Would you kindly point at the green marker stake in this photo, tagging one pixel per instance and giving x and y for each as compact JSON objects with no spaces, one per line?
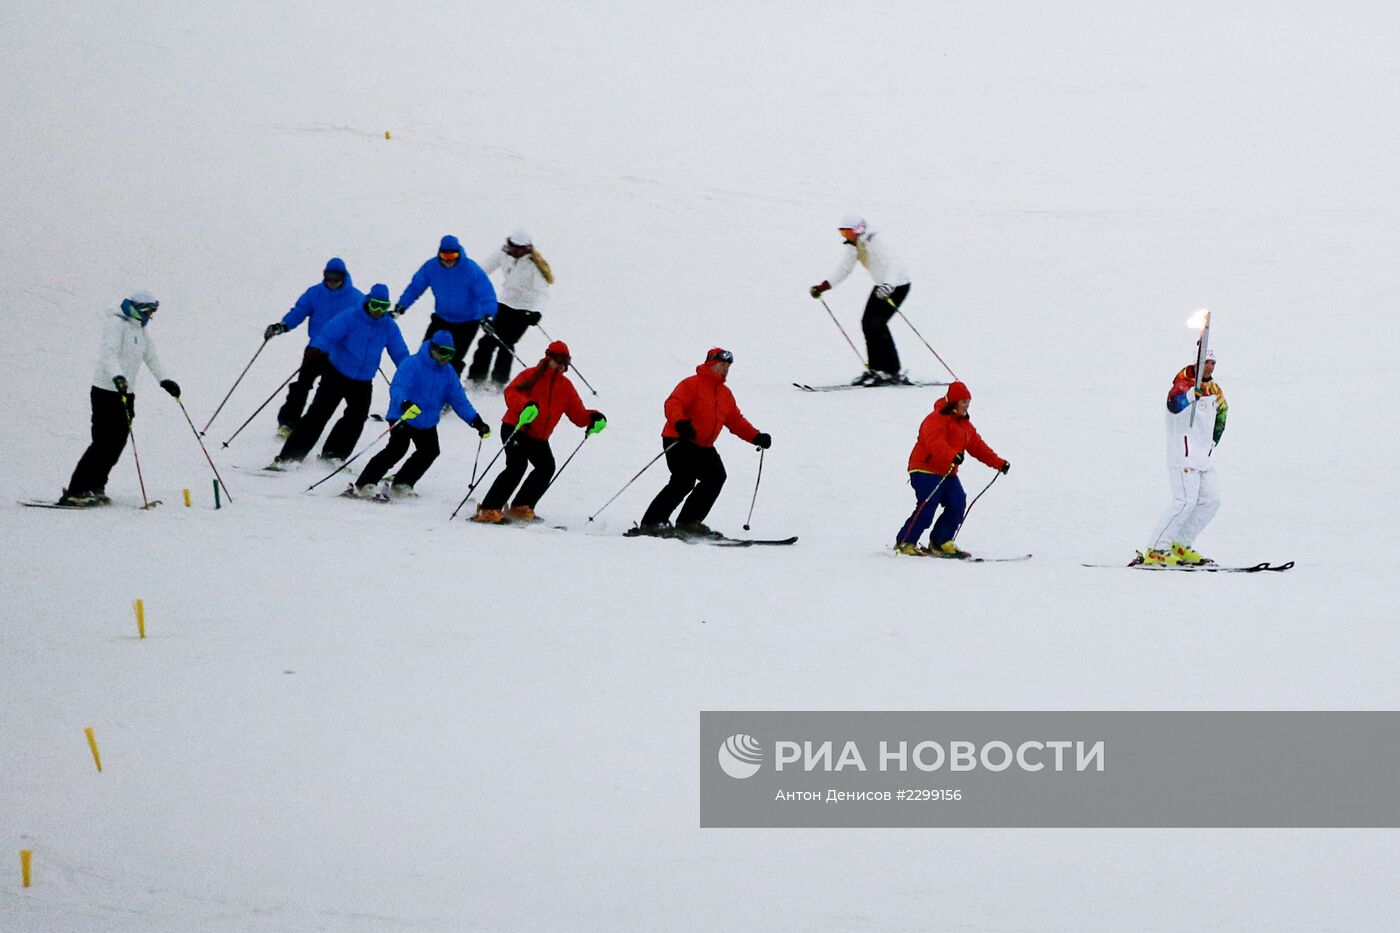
{"x":217,"y":504}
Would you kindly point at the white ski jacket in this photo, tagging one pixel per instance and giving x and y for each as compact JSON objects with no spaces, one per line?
{"x":125,"y":345}
{"x":1190,"y":444}
{"x":873,"y":252}
{"x":523,"y":286}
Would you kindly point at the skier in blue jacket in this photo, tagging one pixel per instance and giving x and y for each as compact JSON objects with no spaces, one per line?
{"x":336,"y":292}
{"x":353,"y":344}
{"x":462,"y":293}
{"x":423,"y":384}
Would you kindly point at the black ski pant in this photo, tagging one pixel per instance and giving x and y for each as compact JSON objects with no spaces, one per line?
{"x":522,"y":451}
{"x":875,"y":324}
{"x":109,"y":432}
{"x":509,"y":325}
{"x":313,"y":367}
{"x":463,"y":333}
{"x":696,"y":472}
{"x":425,"y":450}
{"x":335,"y":388}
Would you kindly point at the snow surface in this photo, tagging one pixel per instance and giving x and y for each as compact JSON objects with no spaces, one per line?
{"x":353,"y":718}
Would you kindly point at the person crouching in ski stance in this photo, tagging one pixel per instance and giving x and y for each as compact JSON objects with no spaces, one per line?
{"x":698,"y":407}
{"x":945,"y":435}
{"x":535,"y":401}
{"x":125,"y":345}
{"x":318,"y":306}
{"x":1195,"y":484}
{"x":891,"y":288}
{"x":423,"y":384}
{"x":354,"y":343}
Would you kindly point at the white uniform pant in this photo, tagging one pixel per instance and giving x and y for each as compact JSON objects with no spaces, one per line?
{"x":1195,"y":500}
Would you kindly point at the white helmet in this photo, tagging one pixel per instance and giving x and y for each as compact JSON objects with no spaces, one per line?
{"x":852,"y":222}
{"x":520,"y":237}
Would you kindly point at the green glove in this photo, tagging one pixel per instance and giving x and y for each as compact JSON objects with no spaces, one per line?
{"x":527,"y":414}
{"x":411,"y":412}
{"x":596,"y":422}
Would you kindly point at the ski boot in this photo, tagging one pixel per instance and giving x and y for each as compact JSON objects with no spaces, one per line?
{"x":696,"y":530}
{"x":948,"y":549}
{"x":521,"y":513}
{"x":402,"y":491}
{"x":911,"y":549}
{"x":488,"y":516}
{"x":79,"y":500}
{"x":284,"y":431}
{"x":1155,"y":558}
{"x":1189,"y":556}
{"x":901,"y":379}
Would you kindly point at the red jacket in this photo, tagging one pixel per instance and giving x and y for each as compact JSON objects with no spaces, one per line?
{"x":553,"y":393}
{"x":942,"y":437}
{"x":706,"y":402}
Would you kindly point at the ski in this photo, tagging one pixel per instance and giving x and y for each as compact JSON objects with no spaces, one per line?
{"x":1261,"y":567}
{"x":974,"y":560}
{"x":47,"y":504}
{"x":714,"y":538}
{"x":887,"y":385}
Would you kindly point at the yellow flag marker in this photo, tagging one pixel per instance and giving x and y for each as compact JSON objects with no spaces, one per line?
{"x":92,"y":744}
{"x":26,"y":856}
{"x":386,"y":134}
{"x":140,"y":609}
{"x":187,"y":498}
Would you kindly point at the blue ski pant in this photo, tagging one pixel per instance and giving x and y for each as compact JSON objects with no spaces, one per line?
{"x":930,"y":492}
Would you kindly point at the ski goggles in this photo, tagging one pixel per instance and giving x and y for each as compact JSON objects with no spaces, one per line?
{"x":443,"y":354}
{"x":333,"y":278}
{"x":146,"y":307}
{"x":377,"y":306}
{"x":448,"y":255}
{"x":720,"y":356}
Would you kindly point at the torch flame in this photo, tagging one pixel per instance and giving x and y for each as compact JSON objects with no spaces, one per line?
{"x":1197,"y":320}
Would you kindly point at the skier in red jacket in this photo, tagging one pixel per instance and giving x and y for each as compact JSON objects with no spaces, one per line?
{"x":944,"y":436}
{"x":697,"y":409}
{"x":535,"y":401}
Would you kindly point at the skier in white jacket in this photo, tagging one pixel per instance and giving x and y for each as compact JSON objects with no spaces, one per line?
{"x":873,"y":251}
{"x":525,"y":281}
{"x":1195,"y":484}
{"x":125,"y":346}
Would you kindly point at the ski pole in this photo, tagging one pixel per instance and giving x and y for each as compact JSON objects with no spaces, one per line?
{"x":913,"y":519}
{"x":477,"y":459}
{"x":571,"y":364}
{"x":843,"y":333}
{"x":274,"y":394}
{"x":635,"y":478}
{"x":353,"y":458}
{"x":200,"y":440}
{"x":561,"y":469}
{"x":755,"y":489}
{"x":491,"y":332}
{"x":921,"y":338}
{"x":520,"y":426}
{"x":141,"y":480}
{"x":234,"y":386}
{"x":385,"y":378}
{"x":972,"y":503}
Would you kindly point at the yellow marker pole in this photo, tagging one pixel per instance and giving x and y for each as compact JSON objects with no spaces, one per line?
{"x":26,"y":856}
{"x":187,"y":498}
{"x":140,"y":609}
{"x":386,"y":134}
{"x":92,"y":744}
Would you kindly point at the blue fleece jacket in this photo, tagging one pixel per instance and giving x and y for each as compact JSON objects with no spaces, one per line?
{"x":322,"y":304}
{"x":462,"y":293}
{"x":355,"y":342}
{"x":428,"y":384}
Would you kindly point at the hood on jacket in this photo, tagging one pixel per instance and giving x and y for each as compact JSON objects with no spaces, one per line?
{"x":440,"y":338}
{"x":380,"y":291}
{"x":449,"y":243}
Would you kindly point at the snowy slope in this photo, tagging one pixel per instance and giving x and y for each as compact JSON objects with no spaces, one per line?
{"x":360,"y":718}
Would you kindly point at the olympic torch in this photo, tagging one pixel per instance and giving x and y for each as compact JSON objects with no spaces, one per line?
{"x":1199,"y":321}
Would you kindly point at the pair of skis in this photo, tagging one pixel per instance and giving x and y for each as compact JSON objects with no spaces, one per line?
{"x":841,"y":387}
{"x":713,"y":538}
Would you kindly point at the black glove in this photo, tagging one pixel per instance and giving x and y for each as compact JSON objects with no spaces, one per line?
{"x":407,"y":404}
{"x":883,"y":292}
{"x":762,"y":441}
{"x":959,"y":458}
{"x":481,"y":427}
{"x":171,"y":386}
{"x":398,"y":311}
{"x":1005,"y":466}
{"x":684,"y":430}
{"x":120,"y":383}
{"x":274,"y":329}
{"x":532,"y":318}
{"x":816,"y":290}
